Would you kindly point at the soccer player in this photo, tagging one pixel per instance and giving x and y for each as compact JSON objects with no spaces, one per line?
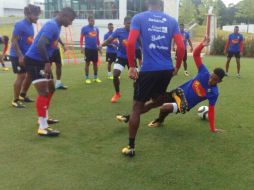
{"x":186,"y":38}
{"x":90,"y":35}
{"x":234,"y":47}
{"x":37,"y":63}
{"x":156,"y":31}
{"x":22,"y":38}
{"x":122,"y":35}
{"x":111,"y":51}
{"x":4,"y":40}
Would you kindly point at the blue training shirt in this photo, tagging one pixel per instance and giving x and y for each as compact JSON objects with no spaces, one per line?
{"x":234,"y":42}
{"x":156,"y":32}
{"x":197,"y":89}
{"x":51,"y":30}
{"x":122,"y":35}
{"x":91,"y":34}
{"x":114,"y":42}
{"x":186,"y":37}
{"x":25,"y":31}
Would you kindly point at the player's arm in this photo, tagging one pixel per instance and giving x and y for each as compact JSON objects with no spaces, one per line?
{"x":62,"y":44}
{"x":131,"y":47}
{"x":15,"y":45}
{"x":241,"y":46}
{"x":226,"y":46}
{"x":180,"y":51}
{"x":198,"y":50}
{"x":107,"y":41}
{"x":42,"y":43}
{"x":190,"y":44}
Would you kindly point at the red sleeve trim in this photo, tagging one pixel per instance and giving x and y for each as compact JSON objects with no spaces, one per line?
{"x":196,"y":55}
{"x":81,"y":40}
{"x":180,"y":49}
{"x":211,"y":117}
{"x":241,"y":46}
{"x":133,"y":36}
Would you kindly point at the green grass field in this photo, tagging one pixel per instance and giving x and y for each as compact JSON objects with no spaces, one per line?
{"x":182,"y":154}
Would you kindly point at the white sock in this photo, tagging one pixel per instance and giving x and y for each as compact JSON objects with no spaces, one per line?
{"x":47,"y":114}
{"x":58,"y":82}
{"x":43,"y":124}
{"x":109,"y":74}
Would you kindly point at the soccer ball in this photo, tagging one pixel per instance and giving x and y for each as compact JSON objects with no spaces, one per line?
{"x":203,"y":112}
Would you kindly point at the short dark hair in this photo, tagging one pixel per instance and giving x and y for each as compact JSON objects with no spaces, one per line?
{"x":32,"y":10}
{"x":110,"y":24}
{"x":219,"y":72}
{"x":67,"y":11}
{"x":127,"y":19}
{"x":90,"y":17}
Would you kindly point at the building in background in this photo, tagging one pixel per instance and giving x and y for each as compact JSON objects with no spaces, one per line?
{"x":15,"y":8}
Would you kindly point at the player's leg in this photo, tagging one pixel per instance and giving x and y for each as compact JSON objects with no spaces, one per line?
{"x":87,"y":64}
{"x":58,"y":62}
{"x":94,"y":58}
{"x":25,"y":87}
{"x":186,"y":73}
{"x":238,"y":64}
{"x":229,"y":56}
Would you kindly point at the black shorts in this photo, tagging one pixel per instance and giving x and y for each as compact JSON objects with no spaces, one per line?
{"x":36,"y":69}
{"x":56,"y":57}
{"x":16,"y":67}
{"x":111,"y":57}
{"x":236,"y":54}
{"x":151,"y":84}
{"x":138,"y":54}
{"x":91,"y":55}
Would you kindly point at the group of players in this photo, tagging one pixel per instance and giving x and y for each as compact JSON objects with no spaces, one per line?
{"x":152,"y":31}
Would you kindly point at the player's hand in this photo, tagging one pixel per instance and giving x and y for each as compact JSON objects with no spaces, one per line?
{"x":218,"y":131}
{"x":175,"y":71}
{"x":133,"y":73}
{"x":21,"y":60}
{"x":47,"y":70}
{"x":206,"y":41}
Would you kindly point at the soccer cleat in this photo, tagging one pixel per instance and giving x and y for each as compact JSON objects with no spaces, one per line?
{"x":18,"y":104}
{"x":25,"y":99}
{"x":180,"y":99}
{"x":123,"y":118}
{"x":110,"y":77}
{"x":115,"y":97}
{"x":48,"y":132}
{"x":52,"y":121}
{"x":155,"y":123}
{"x":97,"y":80}
{"x":238,"y":75}
{"x":226,"y":74}
{"x":186,"y":73}
{"x":128,"y":151}
{"x":61,"y":87}
{"x":5,"y":69}
{"x":88,"y":81}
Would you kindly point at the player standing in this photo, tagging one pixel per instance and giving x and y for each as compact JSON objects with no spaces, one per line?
{"x":4,"y":40}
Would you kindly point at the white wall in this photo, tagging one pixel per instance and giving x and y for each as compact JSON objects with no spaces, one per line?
{"x":242,"y":28}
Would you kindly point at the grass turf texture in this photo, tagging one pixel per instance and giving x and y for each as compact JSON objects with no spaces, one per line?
{"x":181,"y":155}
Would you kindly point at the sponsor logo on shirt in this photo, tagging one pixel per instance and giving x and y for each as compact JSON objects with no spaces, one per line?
{"x":125,"y":42}
{"x":29,"y":40}
{"x":235,"y":41}
{"x":157,"y":20}
{"x":154,"y":46}
{"x":156,"y":38}
{"x":92,"y":34}
{"x":159,"y":29}
{"x":198,"y":89}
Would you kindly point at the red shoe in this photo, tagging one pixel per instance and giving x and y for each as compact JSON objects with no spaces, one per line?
{"x":115,"y":97}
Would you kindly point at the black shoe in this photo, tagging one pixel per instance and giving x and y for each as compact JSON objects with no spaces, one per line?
{"x":52,"y":121}
{"x":181,"y":101}
{"x":62,"y":88}
{"x":48,"y":132}
{"x":18,"y":104}
{"x":123,"y":118}
{"x":25,"y":99}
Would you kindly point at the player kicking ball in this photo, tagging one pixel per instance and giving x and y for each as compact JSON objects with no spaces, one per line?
{"x":202,"y":87}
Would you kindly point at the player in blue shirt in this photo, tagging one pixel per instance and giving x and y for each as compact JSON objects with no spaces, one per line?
{"x":5,"y":41}
{"x":155,"y":31}
{"x":122,"y":35}
{"x":111,"y":51}
{"x":37,"y":64}
{"x":234,"y":47}
{"x":202,"y":87}
{"x":22,"y":38}
{"x":90,"y":35}
{"x":186,"y":38}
